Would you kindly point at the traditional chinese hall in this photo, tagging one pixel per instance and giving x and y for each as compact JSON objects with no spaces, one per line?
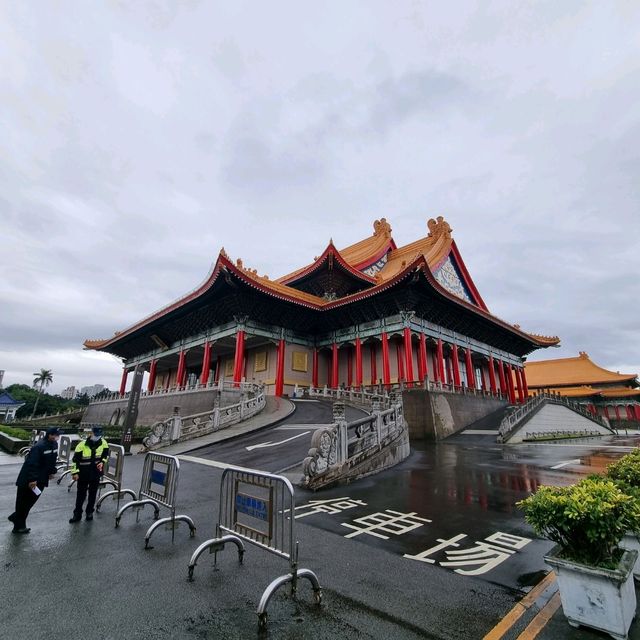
{"x":370,"y":313}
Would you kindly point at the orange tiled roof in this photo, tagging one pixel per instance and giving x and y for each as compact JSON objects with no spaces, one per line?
{"x":432,"y":249}
{"x":620,"y":392}
{"x":571,"y":372}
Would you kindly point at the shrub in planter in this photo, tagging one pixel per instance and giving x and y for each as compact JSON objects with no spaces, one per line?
{"x":626,"y":471}
{"x":587,"y":520}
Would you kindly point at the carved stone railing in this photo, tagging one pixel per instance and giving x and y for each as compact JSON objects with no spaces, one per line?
{"x":515,"y":417}
{"x":221,"y":385}
{"x":178,"y":428}
{"x":336,"y":448}
{"x":353,"y":393}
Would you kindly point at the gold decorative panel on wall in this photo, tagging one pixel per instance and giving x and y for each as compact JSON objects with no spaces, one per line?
{"x":299,"y":361}
{"x":228,"y":368}
{"x":261,"y":361}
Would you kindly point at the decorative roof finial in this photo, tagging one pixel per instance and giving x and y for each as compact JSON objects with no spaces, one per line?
{"x":583,"y":354}
{"x":223,"y":253}
{"x":239,"y":263}
{"x":439,"y":228}
{"x":382,"y":228}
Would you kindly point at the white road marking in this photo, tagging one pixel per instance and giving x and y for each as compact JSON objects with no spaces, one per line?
{"x":218,"y":465}
{"x":295,"y":427}
{"x":300,"y":400}
{"x":264,"y":445}
{"x":566,"y":463}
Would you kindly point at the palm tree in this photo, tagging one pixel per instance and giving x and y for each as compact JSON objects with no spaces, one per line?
{"x":40,"y":381}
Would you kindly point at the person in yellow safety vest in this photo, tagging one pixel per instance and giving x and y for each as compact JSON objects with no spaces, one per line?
{"x":87,"y":468}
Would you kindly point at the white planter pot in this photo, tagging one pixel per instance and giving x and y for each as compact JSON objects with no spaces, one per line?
{"x":631,"y":541}
{"x":603,"y":599}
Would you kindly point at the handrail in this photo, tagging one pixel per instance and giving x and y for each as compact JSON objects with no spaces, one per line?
{"x":175,"y":428}
{"x":342,"y":443}
{"x":222,"y":385}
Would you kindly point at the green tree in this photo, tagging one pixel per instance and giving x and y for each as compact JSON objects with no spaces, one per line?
{"x":41,"y":380}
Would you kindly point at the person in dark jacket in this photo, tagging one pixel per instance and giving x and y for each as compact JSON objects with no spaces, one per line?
{"x":38,"y":468}
{"x":87,"y":468}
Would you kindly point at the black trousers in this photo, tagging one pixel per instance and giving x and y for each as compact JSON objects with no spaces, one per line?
{"x":84,"y":487}
{"x":25,"y":499}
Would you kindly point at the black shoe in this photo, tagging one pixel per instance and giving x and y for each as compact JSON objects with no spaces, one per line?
{"x":75,"y":519}
{"x":89,"y":517}
{"x":23,"y":530}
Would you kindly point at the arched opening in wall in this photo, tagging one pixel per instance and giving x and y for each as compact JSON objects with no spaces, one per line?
{"x":121,"y":418}
{"x":114,"y":417}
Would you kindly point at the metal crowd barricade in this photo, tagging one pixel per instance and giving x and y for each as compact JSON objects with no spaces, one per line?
{"x":35,"y":437}
{"x":112,"y":476}
{"x":66,"y":449}
{"x":158,"y":488}
{"x":258,"y":508}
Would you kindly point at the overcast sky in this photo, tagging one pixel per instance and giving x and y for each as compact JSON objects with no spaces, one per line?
{"x":138,"y":138}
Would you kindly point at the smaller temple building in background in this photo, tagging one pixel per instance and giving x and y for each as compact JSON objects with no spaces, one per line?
{"x":8,"y":407}
{"x":611,"y":394}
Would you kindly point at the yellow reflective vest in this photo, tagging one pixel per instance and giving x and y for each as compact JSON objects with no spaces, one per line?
{"x":87,"y":456}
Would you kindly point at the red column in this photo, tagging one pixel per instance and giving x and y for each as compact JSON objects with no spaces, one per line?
{"x":358,"y":363}
{"x":280,"y":369}
{"x":440,"y":361}
{"x":349,"y":366}
{"x":617,"y":410}
{"x":206,"y":363}
{"x":152,"y":376}
{"x":181,"y":370}
{"x":512,"y":393}
{"x":471,"y":378}
{"x":503,"y":382}
{"x":525,"y":387}
{"x":456,"y":365}
{"x":239,"y":357}
{"x":629,"y":412}
{"x":334,"y":366}
{"x":123,"y":381}
{"x":374,"y":364}
{"x":521,"y":397}
{"x":636,"y":408}
{"x":492,"y":376}
{"x":408,"y":354}
{"x":400,"y":361}
{"x":422,"y":358}
{"x":314,"y":371}
{"x":386,"y":373}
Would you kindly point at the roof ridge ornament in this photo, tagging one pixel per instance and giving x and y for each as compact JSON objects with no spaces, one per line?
{"x":583,"y":354}
{"x":382,"y":228}
{"x":439,"y":228}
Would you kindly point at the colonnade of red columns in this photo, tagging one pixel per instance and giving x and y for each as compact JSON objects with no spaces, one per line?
{"x":405,"y":367}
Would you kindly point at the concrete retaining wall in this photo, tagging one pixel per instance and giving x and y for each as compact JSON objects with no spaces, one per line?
{"x":157,"y":407}
{"x":10,"y":444}
{"x":435,"y":415}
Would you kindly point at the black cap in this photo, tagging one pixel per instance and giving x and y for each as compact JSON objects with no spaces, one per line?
{"x":53,"y":431}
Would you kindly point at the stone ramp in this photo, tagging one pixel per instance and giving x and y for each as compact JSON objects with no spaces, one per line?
{"x":275,"y":410}
{"x":556,"y":421}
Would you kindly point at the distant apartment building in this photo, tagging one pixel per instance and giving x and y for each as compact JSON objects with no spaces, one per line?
{"x":69,"y":393}
{"x":92,"y":391}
